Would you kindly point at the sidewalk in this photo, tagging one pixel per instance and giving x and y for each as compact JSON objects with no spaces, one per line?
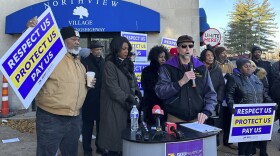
{"x":27,"y":144}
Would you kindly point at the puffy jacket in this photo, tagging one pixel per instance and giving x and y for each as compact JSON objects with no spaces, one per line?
{"x":185,"y":102}
{"x":65,"y":90}
{"x":241,"y":89}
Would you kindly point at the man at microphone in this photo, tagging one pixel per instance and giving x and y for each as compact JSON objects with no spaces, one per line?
{"x":185,"y":86}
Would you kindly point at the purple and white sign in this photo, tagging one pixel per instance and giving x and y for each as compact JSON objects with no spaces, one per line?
{"x":139,"y":45}
{"x":190,"y":148}
{"x":32,"y":58}
{"x":169,"y":42}
{"x":138,"y":67}
{"x":252,"y":122}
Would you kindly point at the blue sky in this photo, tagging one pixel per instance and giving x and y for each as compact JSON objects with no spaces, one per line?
{"x":218,"y":11}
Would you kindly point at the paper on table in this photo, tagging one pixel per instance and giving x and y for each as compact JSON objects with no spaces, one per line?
{"x":10,"y":140}
{"x":201,"y":127}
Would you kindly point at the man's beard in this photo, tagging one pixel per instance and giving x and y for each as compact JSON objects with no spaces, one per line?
{"x":184,"y":56}
{"x":74,"y":51}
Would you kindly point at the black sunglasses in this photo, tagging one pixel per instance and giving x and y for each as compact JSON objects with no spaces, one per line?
{"x":185,"y":46}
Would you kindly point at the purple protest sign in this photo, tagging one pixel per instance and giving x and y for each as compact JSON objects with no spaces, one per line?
{"x":252,"y":122}
{"x":191,"y":148}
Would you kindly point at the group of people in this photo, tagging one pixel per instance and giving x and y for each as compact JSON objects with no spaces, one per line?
{"x":219,"y":85}
{"x":188,"y":89}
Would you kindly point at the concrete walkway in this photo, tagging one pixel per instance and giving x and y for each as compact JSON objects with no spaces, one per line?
{"x":27,"y":144}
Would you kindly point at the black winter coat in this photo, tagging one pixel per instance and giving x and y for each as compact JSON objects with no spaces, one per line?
{"x":185,"y":102}
{"x":276,"y":82}
{"x":241,"y":89}
{"x":149,"y":78}
{"x":267,"y":66}
{"x":91,"y":107}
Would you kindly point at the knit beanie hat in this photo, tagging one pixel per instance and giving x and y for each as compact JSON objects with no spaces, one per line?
{"x":240,"y":62}
{"x":67,"y":32}
{"x":219,"y":50}
{"x":255,"y":48}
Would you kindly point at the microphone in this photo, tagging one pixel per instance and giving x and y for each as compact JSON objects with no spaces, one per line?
{"x":157,"y":112}
{"x":178,"y":135}
{"x":171,"y":129}
{"x":168,"y":126}
{"x":191,"y":69}
{"x":84,"y":52}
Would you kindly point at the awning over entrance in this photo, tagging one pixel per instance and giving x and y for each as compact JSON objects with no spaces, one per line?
{"x":203,"y":20}
{"x":90,"y":16}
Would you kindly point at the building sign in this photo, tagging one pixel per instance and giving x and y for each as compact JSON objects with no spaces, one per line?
{"x":90,"y":16}
{"x":169,"y":43}
{"x":252,"y":122}
{"x":138,"y":68}
{"x":211,"y":36}
{"x":32,"y":58}
{"x":139,"y":45}
{"x":193,"y":148}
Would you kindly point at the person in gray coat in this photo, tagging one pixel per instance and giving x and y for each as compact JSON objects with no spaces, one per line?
{"x":119,"y":92}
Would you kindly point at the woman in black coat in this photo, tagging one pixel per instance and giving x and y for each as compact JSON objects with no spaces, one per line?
{"x":158,"y":55}
{"x":243,"y":87}
{"x":119,"y":92}
{"x":208,"y":57}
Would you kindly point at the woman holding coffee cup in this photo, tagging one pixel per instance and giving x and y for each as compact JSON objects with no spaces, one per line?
{"x":119,"y":92}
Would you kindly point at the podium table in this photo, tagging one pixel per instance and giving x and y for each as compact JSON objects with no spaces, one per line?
{"x":193,"y":142}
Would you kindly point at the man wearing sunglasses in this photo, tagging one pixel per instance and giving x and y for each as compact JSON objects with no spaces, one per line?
{"x":185,"y":86}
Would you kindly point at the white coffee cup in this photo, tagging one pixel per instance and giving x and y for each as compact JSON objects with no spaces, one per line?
{"x":90,"y":77}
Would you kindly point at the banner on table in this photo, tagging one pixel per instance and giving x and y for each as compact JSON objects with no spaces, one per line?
{"x":252,"y":122}
{"x":139,"y":45}
{"x":32,"y":58}
{"x":169,"y":43}
{"x":194,"y":148}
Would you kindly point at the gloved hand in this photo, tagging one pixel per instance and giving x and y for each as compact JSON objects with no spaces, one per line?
{"x":129,"y":99}
{"x":133,"y":100}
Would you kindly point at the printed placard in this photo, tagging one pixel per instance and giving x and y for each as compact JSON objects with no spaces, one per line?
{"x":32,"y":58}
{"x":252,"y":122}
{"x":139,"y":45}
{"x":138,"y":68}
{"x":169,"y":43}
{"x":194,"y":147}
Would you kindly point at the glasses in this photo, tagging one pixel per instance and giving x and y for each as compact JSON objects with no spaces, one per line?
{"x":185,"y":46}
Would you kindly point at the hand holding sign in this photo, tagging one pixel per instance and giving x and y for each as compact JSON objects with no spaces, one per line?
{"x":32,"y":22}
{"x":32,"y":58}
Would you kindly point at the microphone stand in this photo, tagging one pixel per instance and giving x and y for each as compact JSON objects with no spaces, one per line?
{"x":159,"y":133}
